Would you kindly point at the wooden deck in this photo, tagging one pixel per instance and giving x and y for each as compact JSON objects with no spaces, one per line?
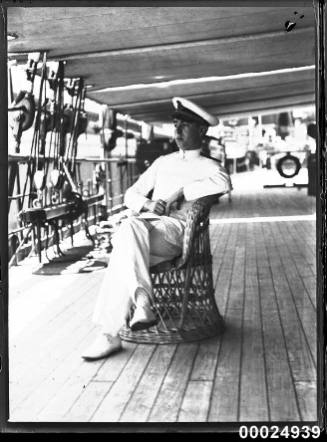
{"x":263,"y":368}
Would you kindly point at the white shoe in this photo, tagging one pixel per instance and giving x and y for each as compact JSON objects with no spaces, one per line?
{"x":103,"y":346}
{"x":143,"y":318}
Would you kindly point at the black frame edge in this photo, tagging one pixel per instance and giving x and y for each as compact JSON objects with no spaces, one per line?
{"x":5,"y":425}
{"x":320,"y":13}
{"x":4,"y":374}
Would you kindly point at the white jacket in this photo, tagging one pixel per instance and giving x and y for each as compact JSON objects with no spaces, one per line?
{"x":197,"y":175}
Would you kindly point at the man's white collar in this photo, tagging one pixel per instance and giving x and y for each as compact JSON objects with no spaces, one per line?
{"x":189,"y":154}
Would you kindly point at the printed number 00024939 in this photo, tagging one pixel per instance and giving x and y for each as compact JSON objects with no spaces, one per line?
{"x":275,"y":432}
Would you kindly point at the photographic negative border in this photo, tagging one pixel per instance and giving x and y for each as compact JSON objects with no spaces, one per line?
{"x":6,"y":426}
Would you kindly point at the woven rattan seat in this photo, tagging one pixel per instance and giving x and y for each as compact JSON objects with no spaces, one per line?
{"x":183,"y":293}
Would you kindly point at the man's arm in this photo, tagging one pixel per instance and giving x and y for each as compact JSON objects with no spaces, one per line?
{"x":158,"y":207}
{"x":136,"y":195}
{"x":176,"y":197}
{"x":216,"y":182}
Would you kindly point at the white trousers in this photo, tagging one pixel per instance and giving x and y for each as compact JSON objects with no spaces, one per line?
{"x":137,"y":245}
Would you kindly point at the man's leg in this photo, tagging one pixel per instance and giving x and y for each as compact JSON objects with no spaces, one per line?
{"x":166,"y":238}
{"x":127,"y":270}
{"x":127,"y":278}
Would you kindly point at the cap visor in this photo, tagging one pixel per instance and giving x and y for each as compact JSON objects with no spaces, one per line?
{"x":185,"y":116}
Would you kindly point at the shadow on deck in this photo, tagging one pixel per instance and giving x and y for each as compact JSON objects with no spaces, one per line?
{"x":263,"y":368}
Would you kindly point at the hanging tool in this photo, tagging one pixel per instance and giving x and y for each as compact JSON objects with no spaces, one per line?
{"x":48,"y":122}
{"x":80,"y":124}
{"x":23,"y":106}
{"x":56,"y":175}
{"x":109,"y":132}
{"x":39,"y":140}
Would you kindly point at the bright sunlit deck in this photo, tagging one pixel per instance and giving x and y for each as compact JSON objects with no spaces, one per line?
{"x":262,"y":368}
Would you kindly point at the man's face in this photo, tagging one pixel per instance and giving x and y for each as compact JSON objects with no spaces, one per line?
{"x":188,"y":135}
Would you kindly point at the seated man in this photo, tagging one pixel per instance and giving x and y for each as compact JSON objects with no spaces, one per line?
{"x":155,"y":233}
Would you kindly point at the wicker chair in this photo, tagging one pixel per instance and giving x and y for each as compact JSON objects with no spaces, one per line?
{"x":183,"y":292}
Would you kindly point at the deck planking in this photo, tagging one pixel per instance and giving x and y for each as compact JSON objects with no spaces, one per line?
{"x":225,"y":393}
{"x":58,"y":332}
{"x":281,"y":392}
{"x":113,"y":405}
{"x":196,"y":402}
{"x":70,"y":396}
{"x":263,"y":367}
{"x":141,"y":403}
{"x":253,"y":370}
{"x":295,"y":312}
{"x":302,"y":302}
{"x":171,"y":393}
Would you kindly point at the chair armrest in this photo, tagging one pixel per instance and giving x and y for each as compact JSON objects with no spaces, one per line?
{"x":196,"y":218}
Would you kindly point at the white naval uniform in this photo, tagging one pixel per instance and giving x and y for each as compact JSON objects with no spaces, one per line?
{"x":140,"y":243}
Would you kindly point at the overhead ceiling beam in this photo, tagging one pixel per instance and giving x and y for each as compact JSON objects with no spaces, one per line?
{"x":282,"y":101}
{"x":176,"y":46}
{"x":263,"y":108}
{"x":130,"y":105}
{"x":273,"y":109}
{"x":240,"y":107}
{"x":206,"y":80}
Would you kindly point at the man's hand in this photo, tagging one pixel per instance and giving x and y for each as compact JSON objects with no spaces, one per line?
{"x":158,"y":207}
{"x":176,"y":197}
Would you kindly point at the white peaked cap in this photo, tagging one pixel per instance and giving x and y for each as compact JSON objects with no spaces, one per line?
{"x":189,"y":111}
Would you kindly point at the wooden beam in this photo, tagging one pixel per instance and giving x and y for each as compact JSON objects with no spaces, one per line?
{"x":211,"y":94}
{"x":264,"y":106}
{"x":175,"y":46}
{"x":279,"y":100}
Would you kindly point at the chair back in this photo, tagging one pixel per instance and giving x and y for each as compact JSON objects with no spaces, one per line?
{"x":197,"y":223}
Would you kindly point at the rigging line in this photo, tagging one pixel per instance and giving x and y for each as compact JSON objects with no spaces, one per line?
{"x":44,"y":110}
{"x":39,"y":111}
{"x":53,"y":110}
{"x":57,"y":117}
{"x":75,"y":122}
{"x":71,"y":125}
{"x":61,"y":137}
{"x":30,"y":77}
{"x":30,"y":170}
{"x":50,"y":145}
{"x":49,"y":152}
{"x":56,"y":127}
{"x":47,"y":120}
{"x":76,"y":110}
{"x":70,"y":90}
{"x":81,"y":114}
{"x":33,"y":166}
{"x":36,"y":136}
{"x":76,"y":128}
